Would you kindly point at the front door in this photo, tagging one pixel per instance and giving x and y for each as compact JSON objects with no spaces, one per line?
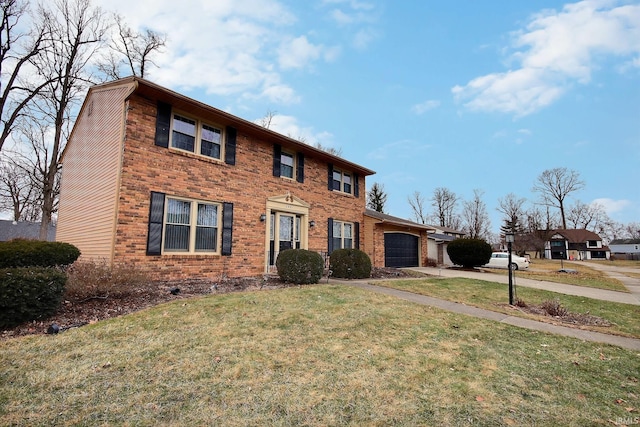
{"x":284,"y":233}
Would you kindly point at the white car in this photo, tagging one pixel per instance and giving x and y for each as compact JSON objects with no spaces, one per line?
{"x":501,"y":260}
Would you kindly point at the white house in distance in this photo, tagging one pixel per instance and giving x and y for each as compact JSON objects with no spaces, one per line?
{"x":625,"y":248}
{"x":575,"y":244}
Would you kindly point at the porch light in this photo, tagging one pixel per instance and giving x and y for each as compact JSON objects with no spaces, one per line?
{"x":312,"y":223}
{"x":263,"y":217}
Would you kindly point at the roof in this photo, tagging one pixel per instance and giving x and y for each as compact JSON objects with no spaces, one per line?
{"x":442,"y":229}
{"x":10,"y":230}
{"x":625,"y":242}
{"x":394,"y":220}
{"x":577,"y":235}
{"x":156,"y":92}
{"x":441,"y":237}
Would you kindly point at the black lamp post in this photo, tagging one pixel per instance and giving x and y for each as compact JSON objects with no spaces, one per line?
{"x":509,"y":238}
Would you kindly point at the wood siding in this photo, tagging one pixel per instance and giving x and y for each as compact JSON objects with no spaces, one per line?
{"x":90,"y":175}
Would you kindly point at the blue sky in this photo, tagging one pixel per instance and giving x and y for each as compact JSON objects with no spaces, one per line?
{"x":463,"y":95}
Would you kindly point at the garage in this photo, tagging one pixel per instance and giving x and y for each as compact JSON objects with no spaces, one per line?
{"x":401,"y":250}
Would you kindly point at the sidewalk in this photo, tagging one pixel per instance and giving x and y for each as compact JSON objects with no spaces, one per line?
{"x":628,"y":343}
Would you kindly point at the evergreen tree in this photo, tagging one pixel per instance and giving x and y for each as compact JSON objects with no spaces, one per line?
{"x":376,"y":198}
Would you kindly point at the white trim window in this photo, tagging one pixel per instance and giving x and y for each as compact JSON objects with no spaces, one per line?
{"x":342,"y":181}
{"x":194,"y":136}
{"x":342,"y":235}
{"x":191,"y":226}
{"x":287,"y":164}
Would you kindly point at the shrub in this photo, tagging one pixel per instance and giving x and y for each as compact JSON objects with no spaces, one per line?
{"x":36,"y":253}
{"x":29,"y":294}
{"x":350,"y":264}
{"x":554,"y":308}
{"x":98,"y":279}
{"x":300,"y":266}
{"x":469,"y":252}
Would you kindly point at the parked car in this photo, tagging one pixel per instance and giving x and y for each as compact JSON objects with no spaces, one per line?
{"x":501,"y":260}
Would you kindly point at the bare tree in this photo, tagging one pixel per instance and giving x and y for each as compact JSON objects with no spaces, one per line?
{"x":554,"y":185}
{"x":511,"y":208}
{"x":376,"y":197}
{"x":21,"y":83}
{"x":331,"y":150}
{"x":19,"y":194}
{"x":591,"y":217}
{"x":632,"y":230}
{"x":267,"y":120}
{"x":130,"y":50}
{"x":78,"y":30}
{"x":475,"y":217}
{"x":445,"y":201}
{"x":416,"y":201}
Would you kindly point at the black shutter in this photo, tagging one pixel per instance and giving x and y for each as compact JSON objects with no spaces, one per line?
{"x":227,"y":228}
{"x":163,"y":124}
{"x":356,"y":185}
{"x":156,"y":216}
{"x":300,"y":170}
{"x":230,"y":146}
{"x":330,"y":235}
{"x":277,"y":153}
{"x":356,"y":232}
{"x":330,"y":177}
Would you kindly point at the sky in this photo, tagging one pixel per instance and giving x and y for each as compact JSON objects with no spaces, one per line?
{"x":464,"y":95}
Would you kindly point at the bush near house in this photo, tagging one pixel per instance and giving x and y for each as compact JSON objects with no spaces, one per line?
{"x":29,"y":293}
{"x":300,"y":266}
{"x":469,"y":252}
{"x":32,"y":281}
{"x":350,"y":264}
{"x":36,"y":253}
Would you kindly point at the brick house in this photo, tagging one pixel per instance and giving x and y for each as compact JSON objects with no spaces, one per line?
{"x":182,"y":189}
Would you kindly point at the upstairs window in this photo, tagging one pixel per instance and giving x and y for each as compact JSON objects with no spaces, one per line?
{"x":196,"y":137}
{"x":342,"y":181}
{"x":286,"y":165}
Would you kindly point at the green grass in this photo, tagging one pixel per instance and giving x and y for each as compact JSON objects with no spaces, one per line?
{"x":547,"y":270}
{"x":316,"y":356}
{"x":625,"y":318}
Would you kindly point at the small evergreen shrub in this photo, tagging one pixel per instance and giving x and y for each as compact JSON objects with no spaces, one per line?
{"x":469,"y":252}
{"x":36,"y":253}
{"x":300,"y":266}
{"x":29,"y":293}
{"x":99,"y":279}
{"x":350,"y":264}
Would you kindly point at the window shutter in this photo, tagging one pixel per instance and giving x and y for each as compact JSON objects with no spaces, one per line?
{"x":330,"y":177}
{"x":156,"y":216}
{"x":163,"y":124}
{"x":230,"y":146}
{"x":330,"y":235}
{"x":356,"y":234}
{"x":300,"y":170}
{"x":277,"y":152}
{"x":356,"y":185}
{"x":227,"y":228}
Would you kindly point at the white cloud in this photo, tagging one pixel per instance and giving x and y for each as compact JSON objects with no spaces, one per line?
{"x":612,"y":206}
{"x":425,"y":106}
{"x":289,"y":126}
{"x":399,"y":149}
{"x":555,"y":51}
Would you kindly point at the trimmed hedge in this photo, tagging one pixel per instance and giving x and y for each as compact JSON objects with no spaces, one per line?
{"x":350,"y":264}
{"x":469,"y":252}
{"x":29,"y":294}
{"x":36,"y":253}
{"x":300,"y":266}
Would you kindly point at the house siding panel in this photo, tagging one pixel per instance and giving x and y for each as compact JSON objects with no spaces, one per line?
{"x":89,"y":184}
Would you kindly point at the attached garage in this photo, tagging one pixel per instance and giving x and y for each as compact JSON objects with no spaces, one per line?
{"x":401,"y":250}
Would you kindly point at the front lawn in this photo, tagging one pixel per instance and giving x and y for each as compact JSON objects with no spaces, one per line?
{"x":313,"y":355}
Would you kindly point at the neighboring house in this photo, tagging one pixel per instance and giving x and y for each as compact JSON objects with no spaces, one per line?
{"x":10,"y":230}
{"x":395,"y":242}
{"x":438,"y":242}
{"x":629,"y":248}
{"x":181,"y":189}
{"x":578,"y":244}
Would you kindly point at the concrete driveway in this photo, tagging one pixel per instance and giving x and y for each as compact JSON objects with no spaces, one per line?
{"x":633,"y":284}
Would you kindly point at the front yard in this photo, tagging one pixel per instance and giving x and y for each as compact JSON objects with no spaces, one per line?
{"x":312,"y":355}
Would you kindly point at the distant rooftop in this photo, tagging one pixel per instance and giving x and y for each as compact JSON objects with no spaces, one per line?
{"x":10,"y":230}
